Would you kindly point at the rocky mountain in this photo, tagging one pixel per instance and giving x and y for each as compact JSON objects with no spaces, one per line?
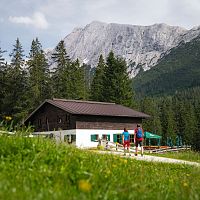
{"x":141,"y":46}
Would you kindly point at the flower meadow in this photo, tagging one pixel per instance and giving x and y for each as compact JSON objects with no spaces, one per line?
{"x":38,"y":168}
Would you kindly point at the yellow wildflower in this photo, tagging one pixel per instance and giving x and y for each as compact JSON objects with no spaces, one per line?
{"x":8,"y":118}
{"x":108,"y":172}
{"x":84,"y":185}
{"x":185,"y":184}
{"x":125,"y":161}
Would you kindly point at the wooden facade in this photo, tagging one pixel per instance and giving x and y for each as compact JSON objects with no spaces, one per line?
{"x":51,"y":118}
{"x":106,"y":123}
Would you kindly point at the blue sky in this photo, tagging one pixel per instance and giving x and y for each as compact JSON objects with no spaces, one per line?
{"x":52,"y":20}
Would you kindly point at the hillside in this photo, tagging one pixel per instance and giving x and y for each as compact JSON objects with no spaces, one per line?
{"x":178,"y":70}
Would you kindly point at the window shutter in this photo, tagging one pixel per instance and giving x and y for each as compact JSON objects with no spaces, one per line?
{"x":114,"y":137}
{"x":108,"y":137}
{"x":93,"y":138}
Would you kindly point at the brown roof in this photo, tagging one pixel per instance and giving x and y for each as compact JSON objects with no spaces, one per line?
{"x":93,"y":108}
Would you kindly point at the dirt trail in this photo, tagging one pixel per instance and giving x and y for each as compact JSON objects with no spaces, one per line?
{"x":153,"y":158}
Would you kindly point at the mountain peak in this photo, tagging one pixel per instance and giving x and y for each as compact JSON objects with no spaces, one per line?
{"x":141,"y":46}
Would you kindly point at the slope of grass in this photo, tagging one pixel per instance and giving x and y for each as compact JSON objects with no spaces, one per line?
{"x":34,"y":168}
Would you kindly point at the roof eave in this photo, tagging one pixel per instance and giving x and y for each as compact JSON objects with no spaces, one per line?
{"x":35,"y":111}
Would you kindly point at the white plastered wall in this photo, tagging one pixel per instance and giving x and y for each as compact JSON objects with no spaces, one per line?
{"x":83,"y":136}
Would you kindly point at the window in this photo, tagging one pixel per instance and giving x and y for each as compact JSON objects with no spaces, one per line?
{"x":106,"y":137}
{"x":94,"y":138}
{"x":59,"y":120}
{"x":69,"y":138}
{"x":73,"y":138}
{"x":117,"y":138}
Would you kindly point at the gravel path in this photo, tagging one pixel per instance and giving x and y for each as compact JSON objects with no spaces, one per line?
{"x":153,"y":158}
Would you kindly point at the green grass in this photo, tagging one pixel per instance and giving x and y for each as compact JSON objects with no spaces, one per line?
{"x":182,"y":155}
{"x":35,"y":168}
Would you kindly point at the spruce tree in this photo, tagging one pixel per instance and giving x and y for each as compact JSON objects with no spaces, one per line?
{"x":77,"y":80}
{"x":168,"y":121}
{"x":116,"y":82}
{"x":96,"y":91}
{"x":189,"y":124}
{"x":39,"y":76}
{"x":87,"y":79}
{"x":62,"y":72}
{"x":196,"y":136}
{"x":15,"y":99}
{"x":153,"y":124}
{"x":3,"y":67}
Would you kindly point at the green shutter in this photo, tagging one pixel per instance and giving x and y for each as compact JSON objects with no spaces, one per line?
{"x":114,"y":137}
{"x":93,"y":138}
{"x":108,"y":137}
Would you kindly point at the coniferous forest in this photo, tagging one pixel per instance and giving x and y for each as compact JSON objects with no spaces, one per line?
{"x":27,"y":80}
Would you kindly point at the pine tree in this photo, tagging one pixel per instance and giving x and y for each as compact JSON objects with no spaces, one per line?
{"x":39,"y":79}
{"x":15,"y":99}
{"x":189,"y":124}
{"x":96,"y":92}
{"x":62,"y":72}
{"x":196,"y":137}
{"x":77,"y":80}
{"x":87,"y":79}
{"x":168,"y":121}
{"x":116,"y":83}
{"x":3,"y":67}
{"x":153,"y":124}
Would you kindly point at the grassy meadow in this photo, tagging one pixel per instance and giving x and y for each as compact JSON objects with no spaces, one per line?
{"x":38,"y":168}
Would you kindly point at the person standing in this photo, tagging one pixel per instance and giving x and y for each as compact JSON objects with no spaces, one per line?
{"x":138,"y":139}
{"x":126,"y":141}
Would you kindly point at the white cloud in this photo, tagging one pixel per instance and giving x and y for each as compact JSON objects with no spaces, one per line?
{"x":38,"y":20}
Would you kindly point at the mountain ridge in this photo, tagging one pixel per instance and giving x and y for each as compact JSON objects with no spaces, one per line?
{"x":141,"y":46}
{"x":178,"y":70}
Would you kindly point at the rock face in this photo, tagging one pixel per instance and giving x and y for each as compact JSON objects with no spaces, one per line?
{"x":141,"y":46}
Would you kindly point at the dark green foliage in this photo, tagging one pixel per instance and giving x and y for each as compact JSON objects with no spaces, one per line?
{"x":174,"y":116}
{"x":16,"y":84}
{"x":87,"y":71}
{"x":167,"y":120}
{"x":3,"y":67}
{"x":177,"y":74}
{"x":61,"y":75}
{"x":68,"y":78}
{"x":97,"y":83}
{"x":150,"y":106}
{"x":116,"y":82}
{"x":39,"y":76}
{"x":178,"y":70}
{"x":78,"y":81}
{"x":2,"y":59}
